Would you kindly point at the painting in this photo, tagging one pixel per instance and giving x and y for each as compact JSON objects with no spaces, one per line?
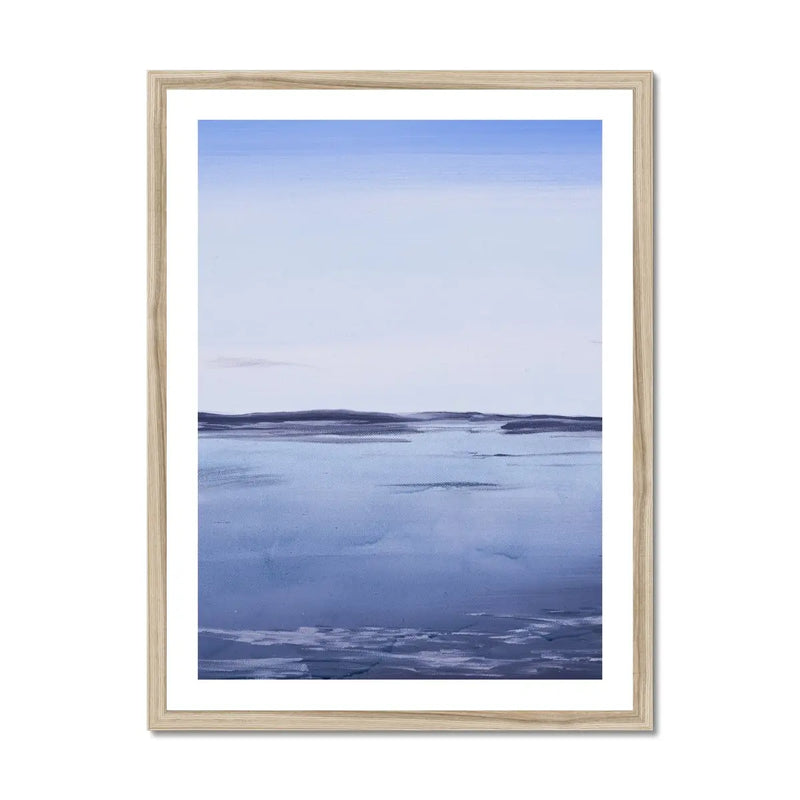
{"x":399,"y":393}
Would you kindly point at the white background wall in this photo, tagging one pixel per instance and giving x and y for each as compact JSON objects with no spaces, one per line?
{"x":73,"y":407}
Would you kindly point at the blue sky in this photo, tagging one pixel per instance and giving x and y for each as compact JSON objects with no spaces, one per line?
{"x":400,"y":265}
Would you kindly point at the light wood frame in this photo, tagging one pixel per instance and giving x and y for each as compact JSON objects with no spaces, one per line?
{"x":640,"y":718}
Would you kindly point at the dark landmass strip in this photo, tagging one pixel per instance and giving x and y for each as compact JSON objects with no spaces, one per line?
{"x":371,"y":423}
{"x":421,"y":487}
{"x":542,"y":424}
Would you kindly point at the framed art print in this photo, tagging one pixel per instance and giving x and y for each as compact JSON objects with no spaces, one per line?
{"x":400,"y":400}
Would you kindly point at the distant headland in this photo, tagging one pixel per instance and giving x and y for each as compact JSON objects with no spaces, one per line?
{"x":348,"y":423}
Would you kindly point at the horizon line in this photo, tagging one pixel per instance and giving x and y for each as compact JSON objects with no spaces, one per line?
{"x":392,"y":413}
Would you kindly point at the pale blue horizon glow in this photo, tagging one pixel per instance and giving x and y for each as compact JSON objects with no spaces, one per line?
{"x":400,"y":266}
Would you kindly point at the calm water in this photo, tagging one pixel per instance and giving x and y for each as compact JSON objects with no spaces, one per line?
{"x":437,"y":549}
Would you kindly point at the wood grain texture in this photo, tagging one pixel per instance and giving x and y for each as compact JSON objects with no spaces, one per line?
{"x":156,"y":400}
{"x":640,"y":718}
{"x":398,"y":80}
{"x":643,"y":399}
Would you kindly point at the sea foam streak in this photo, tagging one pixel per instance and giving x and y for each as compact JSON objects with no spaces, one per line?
{"x":528,"y":650}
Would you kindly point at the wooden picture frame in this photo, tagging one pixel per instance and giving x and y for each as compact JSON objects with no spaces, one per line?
{"x":640,"y":717}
